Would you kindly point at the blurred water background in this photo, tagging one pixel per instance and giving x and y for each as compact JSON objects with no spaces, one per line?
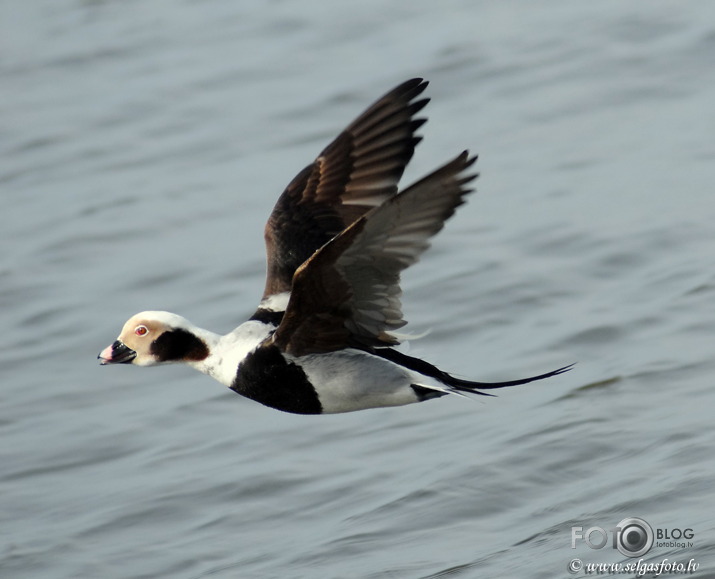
{"x":142,"y":146}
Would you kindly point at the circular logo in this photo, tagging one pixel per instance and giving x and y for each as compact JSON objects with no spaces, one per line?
{"x":635,"y":538}
{"x":574,"y":566}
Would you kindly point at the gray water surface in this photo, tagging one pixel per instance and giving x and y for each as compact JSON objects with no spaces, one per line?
{"x":143,"y":145}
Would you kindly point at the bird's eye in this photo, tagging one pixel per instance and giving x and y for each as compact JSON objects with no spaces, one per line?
{"x":141,"y":330}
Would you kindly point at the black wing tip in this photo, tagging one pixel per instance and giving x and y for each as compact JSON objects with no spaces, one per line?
{"x":412,"y":83}
{"x":459,"y":165}
{"x":466,"y":158}
{"x":416,"y":124}
{"x":416,"y":106}
{"x":410,"y":89}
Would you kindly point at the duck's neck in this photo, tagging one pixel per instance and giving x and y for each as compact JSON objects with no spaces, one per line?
{"x":227,"y":352}
{"x":212,"y":342}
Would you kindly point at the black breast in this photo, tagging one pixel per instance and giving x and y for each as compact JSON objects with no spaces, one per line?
{"x":267,"y":377}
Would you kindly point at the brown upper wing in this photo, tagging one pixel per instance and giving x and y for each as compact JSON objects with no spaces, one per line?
{"x":348,"y":292}
{"x":359,"y":170}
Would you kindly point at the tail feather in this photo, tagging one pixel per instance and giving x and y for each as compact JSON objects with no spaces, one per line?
{"x":453,"y":384}
{"x":474,"y":387}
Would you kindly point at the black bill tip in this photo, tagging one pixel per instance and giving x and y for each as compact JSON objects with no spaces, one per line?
{"x":117,"y":353}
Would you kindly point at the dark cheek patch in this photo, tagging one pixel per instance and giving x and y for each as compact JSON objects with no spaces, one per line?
{"x":174,"y":345}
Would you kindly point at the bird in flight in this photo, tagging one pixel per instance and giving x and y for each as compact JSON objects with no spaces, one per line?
{"x":323,"y":337}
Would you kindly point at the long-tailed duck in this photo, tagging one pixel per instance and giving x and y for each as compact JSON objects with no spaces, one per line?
{"x":321,"y":340}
